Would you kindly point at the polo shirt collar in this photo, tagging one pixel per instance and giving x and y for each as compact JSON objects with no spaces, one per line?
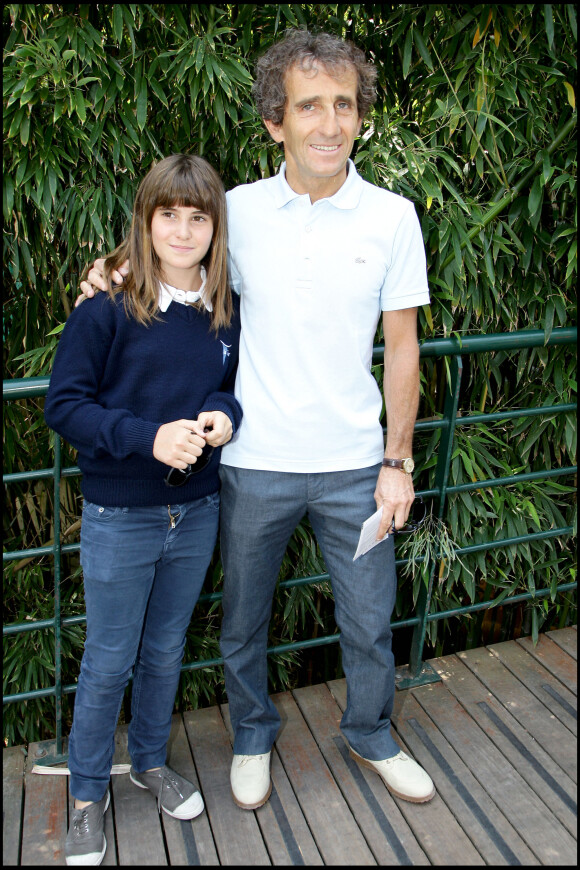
{"x":346,"y":197}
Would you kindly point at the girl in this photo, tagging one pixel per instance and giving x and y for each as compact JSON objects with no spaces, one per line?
{"x":143,"y":387}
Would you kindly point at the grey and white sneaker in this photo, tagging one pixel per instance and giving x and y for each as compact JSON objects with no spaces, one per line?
{"x":85,"y":843}
{"x":175,"y":795}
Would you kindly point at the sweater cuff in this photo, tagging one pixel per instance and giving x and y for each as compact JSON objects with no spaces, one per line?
{"x":228,"y":405}
{"x":141,"y":436}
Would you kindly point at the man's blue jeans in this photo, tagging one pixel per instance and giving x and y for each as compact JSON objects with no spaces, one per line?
{"x":260,"y":510}
{"x":143,"y":573}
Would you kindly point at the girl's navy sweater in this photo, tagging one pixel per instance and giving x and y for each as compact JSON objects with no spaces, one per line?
{"x":115,"y":382}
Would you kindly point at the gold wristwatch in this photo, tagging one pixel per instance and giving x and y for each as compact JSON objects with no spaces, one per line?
{"x":406,"y":465}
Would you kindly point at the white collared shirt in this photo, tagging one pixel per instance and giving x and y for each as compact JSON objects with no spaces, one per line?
{"x":313,"y":279}
{"x":169,"y":294}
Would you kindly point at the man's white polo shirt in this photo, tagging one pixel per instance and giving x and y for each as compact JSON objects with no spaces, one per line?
{"x":313,"y":280}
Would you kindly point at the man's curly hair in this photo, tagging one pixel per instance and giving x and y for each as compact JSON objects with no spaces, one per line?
{"x":303,"y":49}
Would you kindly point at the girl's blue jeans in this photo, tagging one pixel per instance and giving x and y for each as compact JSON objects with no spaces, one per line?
{"x":259,"y":512}
{"x":143,"y":569}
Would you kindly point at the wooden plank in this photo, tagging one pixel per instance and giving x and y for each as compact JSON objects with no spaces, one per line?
{"x":13,"y":795}
{"x":525,"y":754}
{"x":45,"y":812}
{"x":567,"y":638}
{"x":284,"y":828}
{"x":336,"y":832}
{"x":560,"y":663}
{"x":236,"y":832}
{"x":384,"y":828}
{"x":554,"y":737}
{"x":137,"y":822}
{"x":438,"y":833}
{"x":550,"y":691}
{"x":494,"y":837}
{"x":187,"y":842}
{"x":545,"y":836}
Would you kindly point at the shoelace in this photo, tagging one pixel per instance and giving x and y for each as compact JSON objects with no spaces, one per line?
{"x":166,"y":777}
{"x":81,"y":822}
{"x":400,"y":757}
{"x":247,"y":758}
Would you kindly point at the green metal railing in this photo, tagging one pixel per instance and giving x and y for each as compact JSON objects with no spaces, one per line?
{"x":416,"y":672}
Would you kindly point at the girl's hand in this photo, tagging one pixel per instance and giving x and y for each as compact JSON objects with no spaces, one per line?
{"x":179,"y":444}
{"x":220,"y":427}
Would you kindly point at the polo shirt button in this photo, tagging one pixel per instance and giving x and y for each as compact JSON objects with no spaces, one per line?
{"x":308,"y":229}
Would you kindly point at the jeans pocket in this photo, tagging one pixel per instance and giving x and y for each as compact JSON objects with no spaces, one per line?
{"x":103,"y":539}
{"x":102,"y":513}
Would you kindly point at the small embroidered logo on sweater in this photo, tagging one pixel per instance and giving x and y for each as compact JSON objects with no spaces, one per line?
{"x":226,"y":351}
{"x":359,"y":260}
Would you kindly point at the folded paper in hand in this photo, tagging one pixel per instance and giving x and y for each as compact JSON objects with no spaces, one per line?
{"x":368,"y":534}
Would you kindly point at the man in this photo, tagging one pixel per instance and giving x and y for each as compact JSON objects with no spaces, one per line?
{"x":316,"y":254}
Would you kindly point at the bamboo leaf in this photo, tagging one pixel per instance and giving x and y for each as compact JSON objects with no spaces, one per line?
{"x":25,"y":250}
{"x":8,"y":194}
{"x":422,"y":48}
{"x":549,"y":23}
{"x":407,"y":52}
{"x":129,"y":22}
{"x":80,"y":106}
{"x":96,"y":222}
{"x":118,"y":22}
{"x":549,"y":320}
{"x":572,"y":19}
{"x":158,"y":91}
{"x":535,"y":625}
{"x":25,"y":130}
{"x":142,"y":104}
{"x":535,"y":198}
{"x":219,"y":110}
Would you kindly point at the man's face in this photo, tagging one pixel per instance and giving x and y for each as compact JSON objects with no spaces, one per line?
{"x":318,"y":130}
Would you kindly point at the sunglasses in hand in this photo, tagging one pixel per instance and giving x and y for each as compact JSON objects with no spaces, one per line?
{"x":415,"y":520}
{"x":179,"y":476}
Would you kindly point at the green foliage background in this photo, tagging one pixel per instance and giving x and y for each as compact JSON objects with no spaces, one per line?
{"x":474,"y":122}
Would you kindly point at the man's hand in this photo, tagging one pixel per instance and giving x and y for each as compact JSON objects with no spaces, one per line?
{"x":220,"y":426}
{"x":395,"y":492}
{"x":179,"y":444}
{"x":95,"y":280}
{"x":394,"y":489}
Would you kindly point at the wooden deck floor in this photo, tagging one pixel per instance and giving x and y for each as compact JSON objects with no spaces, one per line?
{"x":497,"y":735}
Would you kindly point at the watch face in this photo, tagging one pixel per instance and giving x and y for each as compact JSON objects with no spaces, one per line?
{"x":408,"y":465}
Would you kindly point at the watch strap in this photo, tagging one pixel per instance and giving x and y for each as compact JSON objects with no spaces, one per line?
{"x":393,"y":463}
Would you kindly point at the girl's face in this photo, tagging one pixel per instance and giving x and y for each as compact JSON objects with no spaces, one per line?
{"x":181,"y":237}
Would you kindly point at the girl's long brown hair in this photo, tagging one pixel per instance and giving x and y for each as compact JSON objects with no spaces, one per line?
{"x":180,"y":180}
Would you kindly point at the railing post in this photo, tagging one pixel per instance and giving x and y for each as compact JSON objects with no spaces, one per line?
{"x":417,"y":673}
{"x":57,"y":600}
{"x":57,"y":554}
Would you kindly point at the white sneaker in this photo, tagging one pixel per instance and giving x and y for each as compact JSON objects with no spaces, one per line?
{"x":402,"y":776}
{"x":250,"y":780}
